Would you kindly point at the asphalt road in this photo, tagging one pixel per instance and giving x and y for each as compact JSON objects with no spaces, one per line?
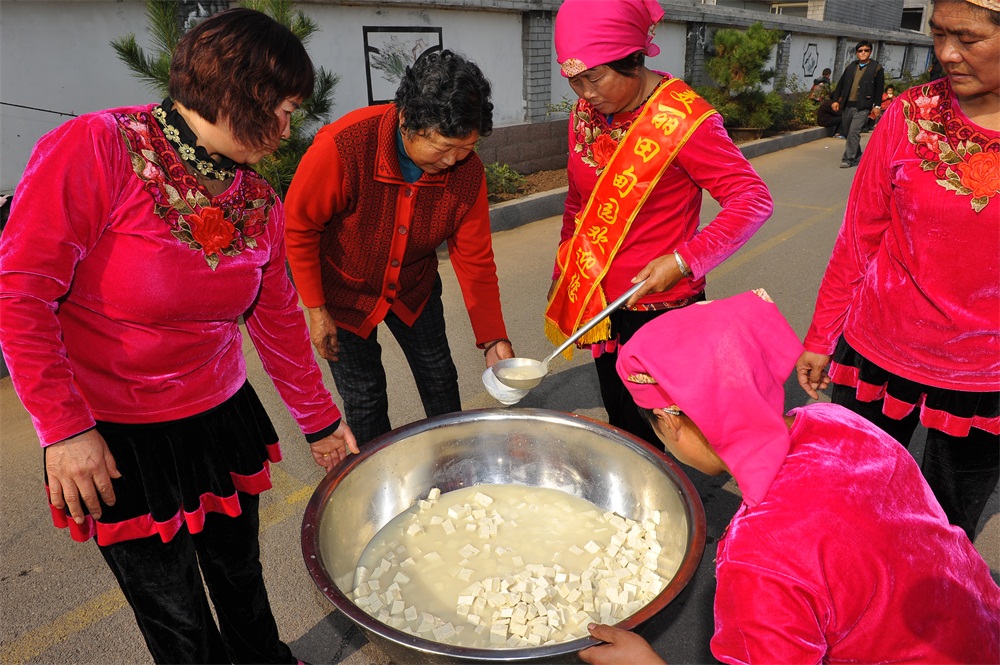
{"x":60,"y":604}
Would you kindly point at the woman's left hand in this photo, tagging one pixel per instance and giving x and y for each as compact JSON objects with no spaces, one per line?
{"x":500,"y":351}
{"x":335,"y":448}
{"x":660,"y":274}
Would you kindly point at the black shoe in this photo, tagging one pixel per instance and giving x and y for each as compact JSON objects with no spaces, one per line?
{"x":845,"y":165}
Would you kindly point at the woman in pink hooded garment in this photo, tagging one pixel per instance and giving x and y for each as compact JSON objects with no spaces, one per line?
{"x":839,"y":543}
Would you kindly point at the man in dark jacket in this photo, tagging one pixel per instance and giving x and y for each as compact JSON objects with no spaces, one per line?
{"x":858,"y":90}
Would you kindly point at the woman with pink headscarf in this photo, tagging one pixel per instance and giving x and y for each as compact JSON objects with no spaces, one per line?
{"x":839,"y":551}
{"x":642,"y":148}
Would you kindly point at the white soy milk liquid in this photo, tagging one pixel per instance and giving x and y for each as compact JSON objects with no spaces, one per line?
{"x":529,"y":548}
{"x":519,"y":373}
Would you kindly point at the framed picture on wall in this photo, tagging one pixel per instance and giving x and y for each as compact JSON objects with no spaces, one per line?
{"x":389,"y":50}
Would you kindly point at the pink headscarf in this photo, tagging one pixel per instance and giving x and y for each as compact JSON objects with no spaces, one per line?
{"x":724,"y":364}
{"x":595,"y":32}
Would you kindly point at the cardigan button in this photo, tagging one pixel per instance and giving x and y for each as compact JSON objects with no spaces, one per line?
{"x":407,"y":192}
{"x":392,"y":287}
{"x":402,"y":230}
{"x":394,"y":263}
{"x":390,"y":299}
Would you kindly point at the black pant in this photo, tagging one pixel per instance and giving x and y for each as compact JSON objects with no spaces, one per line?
{"x":163,"y":584}
{"x":618,"y":402}
{"x":360,"y":375}
{"x":961,"y":471}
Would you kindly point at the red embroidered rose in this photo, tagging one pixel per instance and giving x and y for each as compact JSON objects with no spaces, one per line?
{"x":604,"y":148}
{"x":980,"y":172}
{"x":929,"y":139}
{"x":927,"y":105}
{"x":211,"y":230}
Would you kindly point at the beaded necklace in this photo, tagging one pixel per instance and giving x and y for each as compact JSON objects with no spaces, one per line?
{"x":177,"y":131}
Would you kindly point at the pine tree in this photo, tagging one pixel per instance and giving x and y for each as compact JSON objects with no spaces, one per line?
{"x":153,"y":69}
{"x":738,"y":67}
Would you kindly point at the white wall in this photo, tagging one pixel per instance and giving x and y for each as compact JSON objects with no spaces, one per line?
{"x":339,"y":47}
{"x":891,"y":57}
{"x":809,"y":55}
{"x":56,"y":56}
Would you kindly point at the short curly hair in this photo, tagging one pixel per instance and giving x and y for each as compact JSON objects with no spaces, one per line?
{"x":237,"y":67}
{"x":444,"y":91}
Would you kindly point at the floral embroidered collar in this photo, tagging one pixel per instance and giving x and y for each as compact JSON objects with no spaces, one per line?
{"x":177,"y":132}
{"x":224,"y":226}
{"x":596,"y":136}
{"x":961,"y":156}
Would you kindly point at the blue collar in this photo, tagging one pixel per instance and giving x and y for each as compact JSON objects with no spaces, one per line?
{"x":411,"y":172}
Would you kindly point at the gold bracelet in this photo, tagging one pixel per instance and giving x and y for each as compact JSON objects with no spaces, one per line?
{"x":486,"y":349}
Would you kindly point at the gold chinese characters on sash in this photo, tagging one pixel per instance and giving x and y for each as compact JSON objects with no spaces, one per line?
{"x":655,"y":138}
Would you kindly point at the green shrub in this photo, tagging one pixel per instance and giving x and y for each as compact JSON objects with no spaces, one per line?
{"x":738,"y":67}
{"x":502,"y":179}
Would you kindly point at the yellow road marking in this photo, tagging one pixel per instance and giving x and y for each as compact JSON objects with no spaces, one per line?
{"x":38,"y":640}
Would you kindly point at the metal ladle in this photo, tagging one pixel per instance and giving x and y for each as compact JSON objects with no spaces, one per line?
{"x":526,"y":373}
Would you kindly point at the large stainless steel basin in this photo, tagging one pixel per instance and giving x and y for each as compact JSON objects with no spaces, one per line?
{"x":536,"y":447}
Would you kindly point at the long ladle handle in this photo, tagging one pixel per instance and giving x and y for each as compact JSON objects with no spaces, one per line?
{"x":622,"y":299}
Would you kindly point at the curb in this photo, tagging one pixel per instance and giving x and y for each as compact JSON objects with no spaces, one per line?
{"x":511,"y":214}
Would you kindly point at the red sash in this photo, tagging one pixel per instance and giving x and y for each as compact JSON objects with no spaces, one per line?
{"x":665,"y":124}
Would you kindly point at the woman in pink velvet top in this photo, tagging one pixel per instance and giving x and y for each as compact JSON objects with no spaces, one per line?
{"x":137,"y":240}
{"x":602,"y":46}
{"x":907,"y":320}
{"x":839,"y":552}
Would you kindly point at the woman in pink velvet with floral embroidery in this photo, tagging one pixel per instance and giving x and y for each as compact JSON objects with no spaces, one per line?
{"x":602,"y":46}
{"x":138,"y":239}
{"x":908,"y":313}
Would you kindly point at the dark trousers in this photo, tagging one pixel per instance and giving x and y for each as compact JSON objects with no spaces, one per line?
{"x":853,"y":122}
{"x":163,"y":584}
{"x":360,"y":375}
{"x":961,"y":471}
{"x":618,"y":402}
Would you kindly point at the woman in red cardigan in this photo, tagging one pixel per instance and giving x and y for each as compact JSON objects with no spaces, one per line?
{"x":374,"y":197}
{"x":908,"y":313}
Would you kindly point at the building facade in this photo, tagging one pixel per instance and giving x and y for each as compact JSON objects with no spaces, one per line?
{"x":56,"y":60}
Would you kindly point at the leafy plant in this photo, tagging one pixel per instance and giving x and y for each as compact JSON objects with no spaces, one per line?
{"x":738,"y":67}
{"x":797,"y":110}
{"x":502,"y":179}
{"x":154,"y":70}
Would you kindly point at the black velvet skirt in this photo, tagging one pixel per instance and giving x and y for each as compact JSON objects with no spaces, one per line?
{"x":174,"y":473}
{"x":953,"y":412}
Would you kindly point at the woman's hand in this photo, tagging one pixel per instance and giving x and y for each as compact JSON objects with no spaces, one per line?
{"x":499,"y":351}
{"x":323,"y":332}
{"x":332,"y":450}
{"x":660,"y":274}
{"x":622,"y":647}
{"x":80,"y":470}
{"x":811,"y":371}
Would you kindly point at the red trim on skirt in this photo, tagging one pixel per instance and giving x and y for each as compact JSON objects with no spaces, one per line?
{"x":847,"y":375}
{"x":144,"y":526}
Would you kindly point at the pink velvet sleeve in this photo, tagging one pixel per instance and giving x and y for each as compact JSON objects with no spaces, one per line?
{"x":278,"y":330}
{"x":715,"y":164}
{"x":866,"y":221}
{"x":61,"y":206}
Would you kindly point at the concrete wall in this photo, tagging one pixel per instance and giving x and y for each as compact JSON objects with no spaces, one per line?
{"x":879,"y":14}
{"x":56,"y":60}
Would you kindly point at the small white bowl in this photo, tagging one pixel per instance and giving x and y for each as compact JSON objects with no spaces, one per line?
{"x":500,"y":392}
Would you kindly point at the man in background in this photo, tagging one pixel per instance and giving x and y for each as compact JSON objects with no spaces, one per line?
{"x":858,"y":91}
